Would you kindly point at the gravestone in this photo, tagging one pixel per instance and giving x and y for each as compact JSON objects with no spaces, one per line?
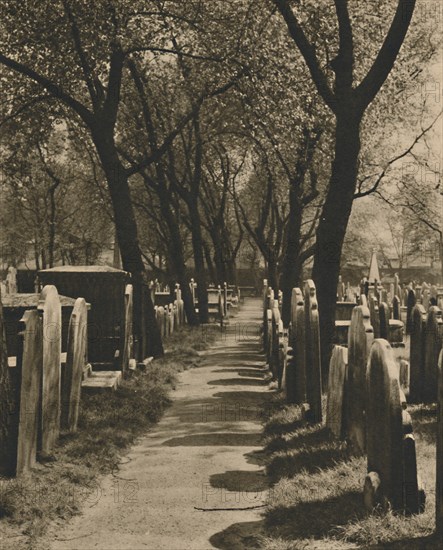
{"x":396,"y":285}
{"x":439,"y":445}
{"x":31,"y":369}
{"x":384,"y":296}
{"x":425,"y":298}
{"x":396,"y":308}
{"x":49,"y":305}
{"x":340,"y":290}
{"x":374,"y":315}
{"x":433,"y":344}
{"x":269,"y":336}
{"x":384,"y":316}
{"x":160,"y":314}
{"x":404,"y":376}
{"x":11,"y":280}
{"x":417,"y":353}
{"x":360,"y":338}
{"x":312,"y":350}
{"x":411,"y":301}
{"x":335,"y":410}
{"x":389,"y":454}
{"x":296,"y":369}
{"x":363,"y":300}
{"x":275,"y":351}
{"x":128,"y":338}
{"x":76,"y":359}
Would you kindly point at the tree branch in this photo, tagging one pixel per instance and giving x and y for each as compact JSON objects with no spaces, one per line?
{"x":382,"y":66}
{"x":308,"y":53}
{"x":50,"y":86}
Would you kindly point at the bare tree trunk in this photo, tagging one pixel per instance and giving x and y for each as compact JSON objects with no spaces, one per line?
{"x":332,"y":228}
{"x":145,"y":326}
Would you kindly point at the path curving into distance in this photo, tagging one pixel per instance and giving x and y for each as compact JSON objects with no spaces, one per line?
{"x":196,"y":481}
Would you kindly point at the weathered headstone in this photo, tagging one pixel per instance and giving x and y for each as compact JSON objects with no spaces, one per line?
{"x":363,"y":300}
{"x":417,"y":354}
{"x":411,"y":301}
{"x":396,"y":285}
{"x":160,"y":315}
{"x":384,"y":316}
{"x":275,"y":353}
{"x":396,"y":308}
{"x":296,"y":369}
{"x":335,"y":411}
{"x":269,"y":336}
{"x":385,"y":425}
{"x":11,"y":280}
{"x":31,"y":368}
{"x":433,"y":295}
{"x":425,"y":298}
{"x":50,"y":306}
{"x":75,"y":362}
{"x":360,"y":338}
{"x":433,"y":344}
{"x":404,"y":376}
{"x":374,"y":315}
{"x":128,"y":344}
{"x":340,"y":290}
{"x":312,"y":349}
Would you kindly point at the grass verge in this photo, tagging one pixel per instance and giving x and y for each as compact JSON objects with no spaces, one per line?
{"x":108,"y":424}
{"x":316,"y":501}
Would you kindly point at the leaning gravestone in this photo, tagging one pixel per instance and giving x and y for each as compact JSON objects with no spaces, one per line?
{"x":312,"y":349}
{"x":296,"y":369}
{"x":49,"y":305}
{"x":75,"y":363}
{"x":417,"y":353}
{"x":31,"y":366}
{"x":360,"y":338}
{"x":439,"y":478}
{"x":392,"y":469}
{"x":335,"y":410}
{"x":384,"y":316}
{"x":433,"y":344}
{"x":411,"y":301}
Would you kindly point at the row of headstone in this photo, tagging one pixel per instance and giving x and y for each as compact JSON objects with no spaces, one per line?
{"x":425,"y":345}
{"x":303,"y":378}
{"x":345,"y":293}
{"x":385,"y":319}
{"x":367,"y":407}
{"x":46,"y":400}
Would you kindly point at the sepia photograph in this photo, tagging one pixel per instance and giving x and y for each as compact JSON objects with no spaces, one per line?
{"x":221,"y":274}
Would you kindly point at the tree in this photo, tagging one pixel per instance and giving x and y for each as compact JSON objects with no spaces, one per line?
{"x":348,"y":98}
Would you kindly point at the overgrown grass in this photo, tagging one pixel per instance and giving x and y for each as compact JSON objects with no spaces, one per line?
{"x":108,"y":424}
{"x":316,"y":500}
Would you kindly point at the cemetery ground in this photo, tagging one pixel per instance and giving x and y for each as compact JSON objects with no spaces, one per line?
{"x":316,"y":500}
{"x":108,"y":424}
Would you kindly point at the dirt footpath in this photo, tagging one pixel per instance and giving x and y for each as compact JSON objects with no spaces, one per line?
{"x":196,"y":481}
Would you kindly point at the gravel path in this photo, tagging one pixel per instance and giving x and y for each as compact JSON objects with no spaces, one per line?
{"x":196,"y":481}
